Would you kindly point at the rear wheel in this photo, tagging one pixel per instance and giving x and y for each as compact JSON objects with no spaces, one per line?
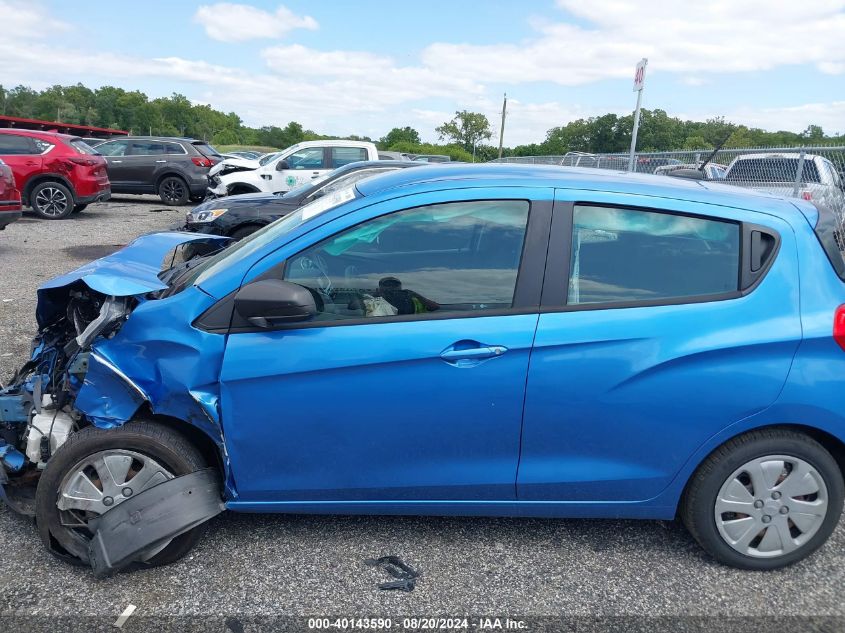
{"x":173,"y":191}
{"x":764,"y":500}
{"x":97,"y":469}
{"x":51,"y":200}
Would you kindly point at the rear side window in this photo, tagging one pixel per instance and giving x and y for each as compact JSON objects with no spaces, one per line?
{"x":12,"y":144}
{"x":625,"y":255}
{"x":148,"y":148}
{"x":344,"y":155}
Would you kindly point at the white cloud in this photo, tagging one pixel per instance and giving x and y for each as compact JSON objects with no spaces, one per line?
{"x":27,"y":20}
{"x":711,"y":37}
{"x":228,"y":22}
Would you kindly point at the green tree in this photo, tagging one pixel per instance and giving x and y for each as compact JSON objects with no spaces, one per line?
{"x":398,"y":135}
{"x":466,"y":129}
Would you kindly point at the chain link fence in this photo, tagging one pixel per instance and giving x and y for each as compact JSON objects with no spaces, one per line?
{"x":815,"y":173}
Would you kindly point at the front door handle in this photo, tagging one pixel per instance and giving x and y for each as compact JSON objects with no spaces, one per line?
{"x":468,"y":355}
{"x":161,"y":161}
{"x":115,"y":162}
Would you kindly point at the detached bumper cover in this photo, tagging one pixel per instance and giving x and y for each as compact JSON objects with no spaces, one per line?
{"x":155,"y":516}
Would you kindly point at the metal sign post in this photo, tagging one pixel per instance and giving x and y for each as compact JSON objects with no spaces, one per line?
{"x":639,"y":82}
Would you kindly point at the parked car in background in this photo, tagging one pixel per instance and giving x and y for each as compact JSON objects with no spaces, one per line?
{"x":383,"y":155}
{"x":93,"y":142}
{"x":174,"y":168}
{"x":282,"y":171}
{"x":241,"y":215}
{"x":432,"y":158}
{"x":57,"y":174}
{"x":369,"y":354}
{"x":712,"y":171}
{"x":10,"y":197}
{"x":778,"y":173}
{"x":249,"y":154}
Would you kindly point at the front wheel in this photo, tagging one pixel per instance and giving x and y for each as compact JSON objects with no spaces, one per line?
{"x":51,"y":201}
{"x":97,"y":469}
{"x":173,"y":191}
{"x":764,"y":500}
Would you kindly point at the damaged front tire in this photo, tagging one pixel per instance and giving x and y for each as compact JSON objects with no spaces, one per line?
{"x":97,"y":469}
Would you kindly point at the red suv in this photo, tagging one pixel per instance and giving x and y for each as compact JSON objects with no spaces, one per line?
{"x":10,"y":197}
{"x":57,"y":174}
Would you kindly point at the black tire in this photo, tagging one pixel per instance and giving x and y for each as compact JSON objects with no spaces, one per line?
{"x":51,"y":200}
{"x":150,"y":439}
{"x":242,"y":231}
{"x":79,"y":208}
{"x":698,"y":509}
{"x":173,"y":191}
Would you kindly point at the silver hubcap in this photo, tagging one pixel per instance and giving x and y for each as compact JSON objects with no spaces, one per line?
{"x":103,"y":480}
{"x":51,"y":201}
{"x":771,"y":506}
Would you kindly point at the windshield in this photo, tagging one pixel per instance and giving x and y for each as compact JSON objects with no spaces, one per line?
{"x":258,"y":240}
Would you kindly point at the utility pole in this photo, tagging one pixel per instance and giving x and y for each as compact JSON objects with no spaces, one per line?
{"x":639,"y":83}
{"x":502,"y":129}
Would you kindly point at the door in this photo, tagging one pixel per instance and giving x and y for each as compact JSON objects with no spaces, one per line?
{"x":23,"y":155}
{"x":409,"y":383}
{"x":120,"y":173}
{"x":299,"y":168}
{"x":661,"y":325}
{"x":146,"y":158}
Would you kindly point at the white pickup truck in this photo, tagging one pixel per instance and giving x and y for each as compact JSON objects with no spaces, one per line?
{"x":282,"y":171}
{"x":776,"y":173}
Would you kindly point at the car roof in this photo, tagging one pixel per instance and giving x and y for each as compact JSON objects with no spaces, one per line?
{"x":174,"y":139}
{"x":459,"y":176}
{"x":36,"y":133}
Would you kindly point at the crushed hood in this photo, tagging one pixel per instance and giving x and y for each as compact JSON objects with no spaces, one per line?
{"x":130,"y":271}
{"x":233,"y":164}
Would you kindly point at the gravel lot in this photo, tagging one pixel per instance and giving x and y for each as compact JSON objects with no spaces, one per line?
{"x":267,"y":565}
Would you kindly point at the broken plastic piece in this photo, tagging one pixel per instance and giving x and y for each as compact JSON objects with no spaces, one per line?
{"x":405,"y":574}
{"x":151,"y":518}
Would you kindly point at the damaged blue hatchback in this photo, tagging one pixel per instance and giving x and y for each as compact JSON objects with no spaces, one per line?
{"x":472,"y":340}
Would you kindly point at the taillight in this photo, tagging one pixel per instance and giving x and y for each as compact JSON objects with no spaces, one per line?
{"x":806,"y":195}
{"x":201,"y":161}
{"x":82,"y":160}
{"x":839,"y":326}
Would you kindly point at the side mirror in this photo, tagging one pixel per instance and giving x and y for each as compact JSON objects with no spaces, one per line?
{"x":271,"y":302}
{"x":282,"y":165}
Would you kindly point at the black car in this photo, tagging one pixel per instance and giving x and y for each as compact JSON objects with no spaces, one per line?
{"x":174,"y":168}
{"x":238,"y":216}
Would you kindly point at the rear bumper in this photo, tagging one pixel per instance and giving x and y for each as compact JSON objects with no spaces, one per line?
{"x":100,"y":196}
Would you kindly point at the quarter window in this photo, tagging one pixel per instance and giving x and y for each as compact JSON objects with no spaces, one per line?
{"x":448,"y":258}
{"x":625,"y":255}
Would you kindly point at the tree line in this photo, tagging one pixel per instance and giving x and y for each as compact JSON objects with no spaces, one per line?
{"x":465,"y":137}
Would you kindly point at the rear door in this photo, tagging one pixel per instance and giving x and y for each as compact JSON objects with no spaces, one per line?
{"x":660,"y":325}
{"x":23,"y":155}
{"x":149,"y":157}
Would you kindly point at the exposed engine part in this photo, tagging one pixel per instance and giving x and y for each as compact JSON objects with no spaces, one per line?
{"x":112,"y":311}
{"x":51,"y":426}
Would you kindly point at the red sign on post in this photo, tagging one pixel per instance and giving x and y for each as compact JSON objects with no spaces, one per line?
{"x":639,"y":74}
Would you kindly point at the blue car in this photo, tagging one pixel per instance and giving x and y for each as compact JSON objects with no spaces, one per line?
{"x":457,"y":340}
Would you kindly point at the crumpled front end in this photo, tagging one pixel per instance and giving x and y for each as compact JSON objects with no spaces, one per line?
{"x":93,"y":362}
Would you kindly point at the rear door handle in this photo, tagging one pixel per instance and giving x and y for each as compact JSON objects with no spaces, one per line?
{"x":161,"y":161}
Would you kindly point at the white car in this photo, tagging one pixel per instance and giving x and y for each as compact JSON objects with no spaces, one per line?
{"x":282,"y":171}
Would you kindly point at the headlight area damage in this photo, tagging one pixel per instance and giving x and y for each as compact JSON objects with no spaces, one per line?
{"x":74,"y":379}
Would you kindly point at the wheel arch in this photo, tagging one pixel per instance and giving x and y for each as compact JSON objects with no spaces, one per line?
{"x":241,"y":187}
{"x":49,"y":177}
{"x":169,"y":174}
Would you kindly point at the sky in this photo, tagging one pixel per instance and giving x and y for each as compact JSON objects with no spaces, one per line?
{"x":367,"y":66}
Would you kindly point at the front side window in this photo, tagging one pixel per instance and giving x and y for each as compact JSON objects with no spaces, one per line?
{"x":625,"y":255}
{"x":113,"y":148}
{"x":306,"y":159}
{"x":344,"y":155}
{"x":448,"y":258}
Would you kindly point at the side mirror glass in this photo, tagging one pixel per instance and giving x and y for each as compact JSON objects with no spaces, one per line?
{"x":271,"y":302}
{"x":282,"y":165}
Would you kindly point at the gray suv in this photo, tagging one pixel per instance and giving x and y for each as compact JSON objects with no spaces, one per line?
{"x":174,"y":168}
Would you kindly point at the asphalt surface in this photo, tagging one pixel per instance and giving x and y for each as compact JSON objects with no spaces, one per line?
{"x":250,"y":565}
